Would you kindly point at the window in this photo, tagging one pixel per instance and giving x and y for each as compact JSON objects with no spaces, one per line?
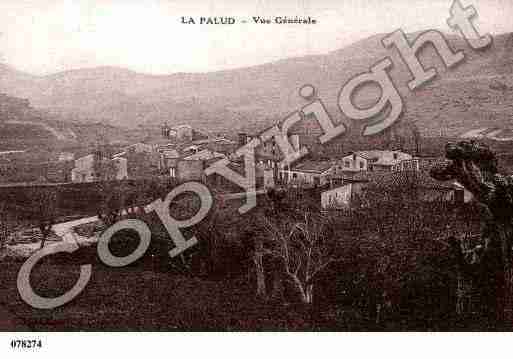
{"x":362,"y":164}
{"x":294,"y":175}
{"x":347,"y":163}
{"x":395,"y":156}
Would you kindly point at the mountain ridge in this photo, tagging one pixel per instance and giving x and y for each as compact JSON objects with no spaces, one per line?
{"x":240,"y":98}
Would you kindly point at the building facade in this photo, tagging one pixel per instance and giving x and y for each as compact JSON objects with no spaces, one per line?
{"x":95,"y":167}
{"x":307,"y":173}
{"x":376,"y":160}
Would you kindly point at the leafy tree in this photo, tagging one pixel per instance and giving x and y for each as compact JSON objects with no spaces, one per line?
{"x":475,"y":166}
{"x":400,"y":245}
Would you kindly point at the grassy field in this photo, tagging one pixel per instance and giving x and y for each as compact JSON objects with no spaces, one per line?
{"x":133,"y":299}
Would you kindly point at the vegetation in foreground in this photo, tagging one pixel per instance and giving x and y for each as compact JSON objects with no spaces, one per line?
{"x":285,"y":266}
{"x":389,"y":263}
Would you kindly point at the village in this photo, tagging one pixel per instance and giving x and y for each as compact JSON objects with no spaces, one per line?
{"x":184,"y":153}
{"x":355,"y":188}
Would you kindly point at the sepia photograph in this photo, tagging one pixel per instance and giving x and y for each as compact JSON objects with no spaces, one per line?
{"x":254,"y":166}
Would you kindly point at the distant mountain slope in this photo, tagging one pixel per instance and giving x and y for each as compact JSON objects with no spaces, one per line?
{"x":55,"y":136}
{"x":23,"y":127}
{"x":256,"y":96}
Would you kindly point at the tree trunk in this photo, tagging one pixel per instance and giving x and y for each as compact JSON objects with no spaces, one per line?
{"x":259,"y":269}
{"x":277,"y":288}
{"x":309,"y":294}
{"x":45,"y":232}
{"x":297,"y":292}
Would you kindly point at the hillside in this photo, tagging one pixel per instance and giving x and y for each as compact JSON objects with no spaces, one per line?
{"x":253,"y":97}
{"x":23,"y":127}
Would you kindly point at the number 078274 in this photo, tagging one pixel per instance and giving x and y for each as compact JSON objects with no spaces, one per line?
{"x":26,"y":344}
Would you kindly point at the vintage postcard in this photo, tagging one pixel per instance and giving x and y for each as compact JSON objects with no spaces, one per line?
{"x":255,"y":166}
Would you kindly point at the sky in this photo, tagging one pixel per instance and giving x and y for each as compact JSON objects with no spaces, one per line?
{"x":48,"y":36}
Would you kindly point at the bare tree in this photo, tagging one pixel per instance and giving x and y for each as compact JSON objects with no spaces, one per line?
{"x":301,"y":250}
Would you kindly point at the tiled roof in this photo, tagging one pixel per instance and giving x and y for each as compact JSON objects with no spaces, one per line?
{"x":421,"y":178}
{"x":204,"y":153}
{"x":431,"y":161}
{"x":313,"y":166}
{"x":400,"y":178}
{"x":170,"y":154}
{"x":119,"y":154}
{"x":265,"y":156}
{"x":180,"y":126}
{"x":216,"y":140}
{"x":233,"y":165}
{"x":369,"y":155}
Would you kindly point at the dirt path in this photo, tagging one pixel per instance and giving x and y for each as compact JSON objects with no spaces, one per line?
{"x":63,"y":230}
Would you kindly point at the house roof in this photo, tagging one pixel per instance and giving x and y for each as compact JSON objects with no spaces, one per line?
{"x":312,"y":166}
{"x":205,"y":152}
{"x":119,"y":154}
{"x":380,"y":157}
{"x":140,"y":144}
{"x":369,"y":155}
{"x":170,"y":153}
{"x":233,"y":165}
{"x":191,"y":148}
{"x":221,"y":140}
{"x":181,"y":126}
{"x":402,"y":178}
{"x":265,"y":156}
